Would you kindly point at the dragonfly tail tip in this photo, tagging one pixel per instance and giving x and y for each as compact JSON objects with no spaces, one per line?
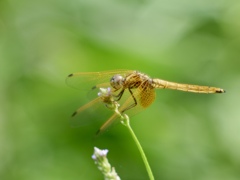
{"x":70,"y":75}
{"x":220,"y":91}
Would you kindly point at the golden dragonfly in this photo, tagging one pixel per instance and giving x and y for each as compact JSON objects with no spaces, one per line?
{"x":133,"y":90}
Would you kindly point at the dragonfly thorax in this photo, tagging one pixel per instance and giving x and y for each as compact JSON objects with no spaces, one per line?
{"x":117,"y":81}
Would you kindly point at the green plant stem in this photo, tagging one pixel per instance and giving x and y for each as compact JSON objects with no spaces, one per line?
{"x":127,"y":124}
{"x":125,"y":121}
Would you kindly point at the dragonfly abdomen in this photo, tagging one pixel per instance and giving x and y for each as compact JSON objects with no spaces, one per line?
{"x":161,"y":84}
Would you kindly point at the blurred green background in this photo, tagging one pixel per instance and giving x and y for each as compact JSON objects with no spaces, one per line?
{"x":185,"y":136}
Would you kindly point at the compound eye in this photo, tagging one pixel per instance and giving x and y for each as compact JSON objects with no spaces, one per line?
{"x":112,"y":80}
{"x":116,"y":81}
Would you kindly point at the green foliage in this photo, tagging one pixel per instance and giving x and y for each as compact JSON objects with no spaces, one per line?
{"x":185,"y":136}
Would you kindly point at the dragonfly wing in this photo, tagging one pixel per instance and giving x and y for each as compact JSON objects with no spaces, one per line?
{"x":138,"y":100}
{"x":81,"y":116}
{"x":125,"y":102}
{"x":143,"y":98}
{"x":91,"y":80}
{"x":112,"y":120}
{"x":146,"y":95}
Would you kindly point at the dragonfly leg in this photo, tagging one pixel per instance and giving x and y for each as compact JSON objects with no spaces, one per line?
{"x":132,"y":105}
{"x":119,"y":96}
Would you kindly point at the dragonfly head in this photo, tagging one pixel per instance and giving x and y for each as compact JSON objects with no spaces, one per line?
{"x":117,"y":81}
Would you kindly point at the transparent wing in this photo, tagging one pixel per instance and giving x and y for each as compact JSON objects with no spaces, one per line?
{"x":81,"y":116}
{"x":131,"y":102}
{"x":144,"y":95}
{"x":91,"y":80}
{"x":93,"y":111}
{"x":112,"y":120}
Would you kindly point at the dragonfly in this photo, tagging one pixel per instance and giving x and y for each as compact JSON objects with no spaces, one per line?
{"x":132,"y":89}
